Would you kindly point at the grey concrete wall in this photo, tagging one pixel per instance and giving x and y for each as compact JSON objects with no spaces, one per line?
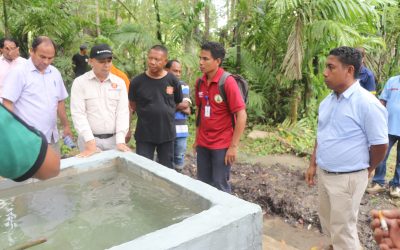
{"x":229,"y":223}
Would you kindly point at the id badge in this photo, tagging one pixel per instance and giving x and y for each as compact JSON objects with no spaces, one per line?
{"x":207,"y":111}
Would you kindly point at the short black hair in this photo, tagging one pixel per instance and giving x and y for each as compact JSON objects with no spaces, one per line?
{"x":216,"y":50}
{"x":160,"y":47}
{"x":42,"y":39}
{"x":170,"y":62}
{"x":10,"y":40}
{"x":348,"y":56}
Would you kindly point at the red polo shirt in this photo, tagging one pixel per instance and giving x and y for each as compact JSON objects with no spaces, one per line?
{"x":216,"y":131}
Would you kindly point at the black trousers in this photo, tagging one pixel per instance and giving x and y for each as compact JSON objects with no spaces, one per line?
{"x":165,"y":152}
{"x":211,"y":168}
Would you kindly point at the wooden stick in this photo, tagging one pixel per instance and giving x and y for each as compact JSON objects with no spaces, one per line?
{"x":29,"y":244}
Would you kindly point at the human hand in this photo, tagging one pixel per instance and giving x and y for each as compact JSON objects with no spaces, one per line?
{"x":230,"y":156}
{"x":310,"y":174}
{"x":67,"y":132}
{"x":90,"y":149}
{"x":123,"y":147}
{"x":128,"y":136}
{"x":387,"y":239}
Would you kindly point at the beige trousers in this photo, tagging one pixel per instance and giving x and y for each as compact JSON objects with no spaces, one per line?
{"x":339,"y":201}
{"x":103,"y":144}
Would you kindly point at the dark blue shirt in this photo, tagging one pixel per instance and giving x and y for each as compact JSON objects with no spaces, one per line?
{"x":367,"y":79}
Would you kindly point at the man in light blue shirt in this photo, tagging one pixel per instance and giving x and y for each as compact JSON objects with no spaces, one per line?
{"x":35,"y":91}
{"x":181,"y":115}
{"x":351,"y":142}
{"x":390,"y":97}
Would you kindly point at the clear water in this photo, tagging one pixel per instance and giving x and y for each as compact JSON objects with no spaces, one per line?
{"x":94,"y":210}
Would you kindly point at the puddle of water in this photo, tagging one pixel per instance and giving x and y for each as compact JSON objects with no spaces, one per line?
{"x":300,"y":238}
{"x":93,"y":210}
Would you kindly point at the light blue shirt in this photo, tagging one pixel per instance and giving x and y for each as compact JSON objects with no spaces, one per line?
{"x":391,"y":94}
{"x":35,"y":96}
{"x":347,"y":126}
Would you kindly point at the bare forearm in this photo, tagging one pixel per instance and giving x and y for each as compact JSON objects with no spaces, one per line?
{"x":62,"y":114}
{"x":313,"y":159}
{"x":8,"y":104}
{"x":133,"y":106}
{"x":241,"y":117}
{"x":377,"y":154}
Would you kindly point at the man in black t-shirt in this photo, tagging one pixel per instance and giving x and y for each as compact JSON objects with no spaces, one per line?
{"x":154,"y":95}
{"x":80,"y":61}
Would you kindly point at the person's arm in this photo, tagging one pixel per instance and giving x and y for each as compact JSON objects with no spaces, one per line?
{"x":63,"y":118}
{"x":231,"y":154}
{"x":184,"y":107}
{"x":177,"y":91}
{"x":122,"y":120}
{"x":312,"y":168}
{"x":376,"y":155}
{"x":132,"y":104}
{"x":27,"y":153}
{"x":81,"y":123}
{"x":50,"y":167}
{"x":8,"y":104}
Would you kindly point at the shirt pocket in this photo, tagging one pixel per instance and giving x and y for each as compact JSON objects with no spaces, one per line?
{"x":92,"y":101}
{"x":113,"y":99}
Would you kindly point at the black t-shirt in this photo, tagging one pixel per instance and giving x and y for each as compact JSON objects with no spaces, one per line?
{"x":81,"y":64}
{"x":156,"y":101}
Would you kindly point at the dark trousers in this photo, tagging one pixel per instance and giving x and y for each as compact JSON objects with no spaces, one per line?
{"x":165,"y":152}
{"x":211,"y":168}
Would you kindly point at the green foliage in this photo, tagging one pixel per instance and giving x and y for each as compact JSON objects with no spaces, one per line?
{"x":282,"y":47}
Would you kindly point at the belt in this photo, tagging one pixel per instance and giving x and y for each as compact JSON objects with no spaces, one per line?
{"x":103,"y":136}
{"x":349,"y":172}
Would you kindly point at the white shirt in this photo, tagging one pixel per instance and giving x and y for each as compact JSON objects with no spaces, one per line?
{"x":347,"y":126}
{"x":100,"y":107}
{"x":6,"y":66}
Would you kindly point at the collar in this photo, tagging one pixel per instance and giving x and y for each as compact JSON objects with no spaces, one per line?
{"x":91,"y":76}
{"x":349,"y":91}
{"x":3,"y":59}
{"x":32,"y":67}
{"x":217,"y":76}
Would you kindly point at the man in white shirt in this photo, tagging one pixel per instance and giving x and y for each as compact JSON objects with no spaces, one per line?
{"x":99,"y":106}
{"x":9,"y":59}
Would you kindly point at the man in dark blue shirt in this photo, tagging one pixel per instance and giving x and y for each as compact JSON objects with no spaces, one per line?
{"x":366,"y":77}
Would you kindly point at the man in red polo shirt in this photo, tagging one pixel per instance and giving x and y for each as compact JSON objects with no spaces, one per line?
{"x":217,"y":140}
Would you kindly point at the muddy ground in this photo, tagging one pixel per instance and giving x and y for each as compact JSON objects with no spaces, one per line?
{"x":279,"y":188}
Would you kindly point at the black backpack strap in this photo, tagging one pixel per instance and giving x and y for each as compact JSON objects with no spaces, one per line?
{"x":221,"y":85}
{"x":198,"y":83}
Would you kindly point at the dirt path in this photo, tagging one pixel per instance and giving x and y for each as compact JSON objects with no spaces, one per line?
{"x":277,"y":184}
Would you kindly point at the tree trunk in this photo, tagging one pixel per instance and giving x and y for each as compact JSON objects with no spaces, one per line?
{"x":294,"y":102}
{"x":238,"y":41}
{"x":158,"y":19}
{"x":6,"y":29}
{"x":98,"y":32}
{"x":206,"y":21}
